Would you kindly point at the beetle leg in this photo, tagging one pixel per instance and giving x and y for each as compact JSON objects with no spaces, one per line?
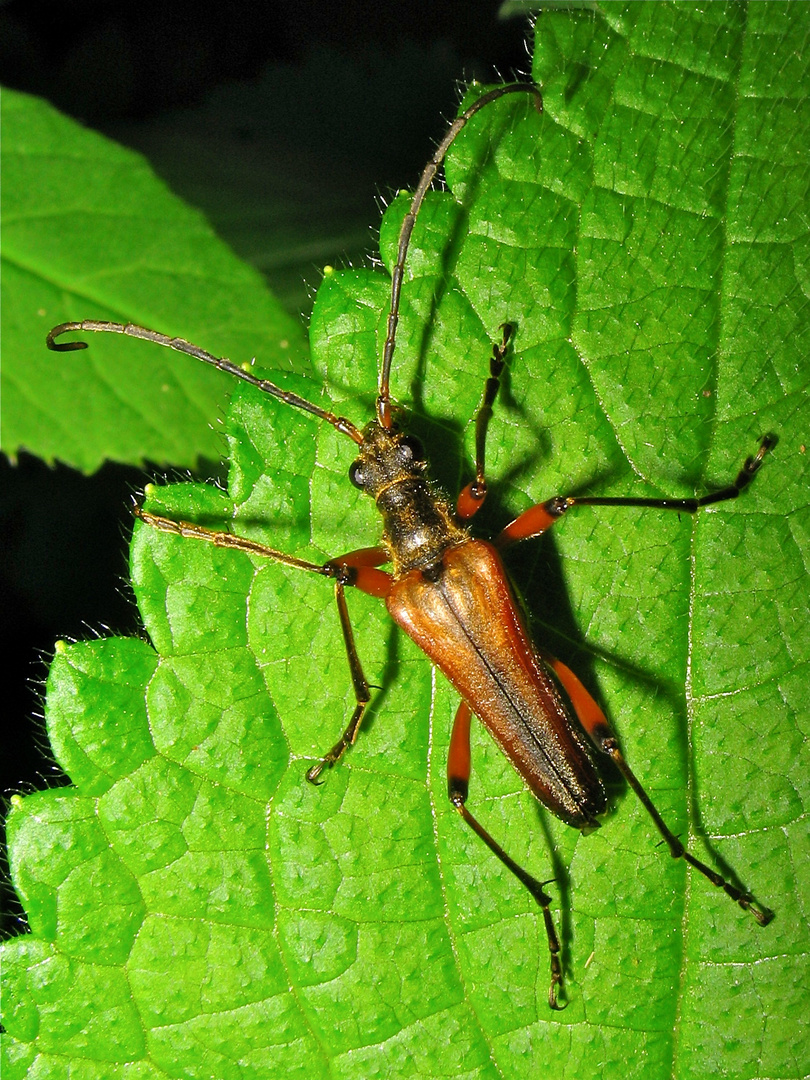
{"x":458,"y":782}
{"x":357,"y":568}
{"x":676,"y":848}
{"x":595,"y":723}
{"x":588,"y":712}
{"x":535,"y":520}
{"x":362,"y":696}
{"x":471,"y":497}
{"x":222,"y":539}
{"x":532,"y":522}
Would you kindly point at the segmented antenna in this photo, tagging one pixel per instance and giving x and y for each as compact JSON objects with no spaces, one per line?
{"x":384,"y":394}
{"x":340,"y":423}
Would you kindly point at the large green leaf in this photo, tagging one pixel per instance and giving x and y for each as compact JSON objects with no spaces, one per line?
{"x":198,"y":910}
{"x":90,"y":232}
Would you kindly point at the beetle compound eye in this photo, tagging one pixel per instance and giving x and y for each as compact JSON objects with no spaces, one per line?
{"x":412,"y":449}
{"x":356,"y":474}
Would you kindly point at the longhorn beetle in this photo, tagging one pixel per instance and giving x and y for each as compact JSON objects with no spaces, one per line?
{"x":450,"y":593}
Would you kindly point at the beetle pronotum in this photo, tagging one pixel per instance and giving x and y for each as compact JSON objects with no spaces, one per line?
{"x":450,"y":593}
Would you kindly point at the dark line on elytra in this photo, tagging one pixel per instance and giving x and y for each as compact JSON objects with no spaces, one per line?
{"x":551,"y":765}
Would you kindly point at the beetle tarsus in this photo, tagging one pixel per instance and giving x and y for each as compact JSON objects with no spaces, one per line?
{"x":328,"y":761}
{"x":555,"y":950}
{"x":752,"y":464}
{"x":556,"y":984}
{"x":349,"y":736}
{"x":763,"y":915}
{"x":314,"y":774}
{"x":677,"y":848}
{"x":458,"y":794}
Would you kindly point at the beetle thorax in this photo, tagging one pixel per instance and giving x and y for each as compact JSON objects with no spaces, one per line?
{"x":418,"y":522}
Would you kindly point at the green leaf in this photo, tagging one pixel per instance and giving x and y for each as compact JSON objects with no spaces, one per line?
{"x":197,"y":909}
{"x":90,"y":232}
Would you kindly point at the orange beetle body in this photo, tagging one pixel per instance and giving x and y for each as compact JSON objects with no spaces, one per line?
{"x":469,"y":624}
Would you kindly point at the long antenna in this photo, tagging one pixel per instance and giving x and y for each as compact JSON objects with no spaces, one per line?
{"x":340,"y":423}
{"x":384,"y":394}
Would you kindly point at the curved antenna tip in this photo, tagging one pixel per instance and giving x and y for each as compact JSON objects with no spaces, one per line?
{"x":64,"y":346}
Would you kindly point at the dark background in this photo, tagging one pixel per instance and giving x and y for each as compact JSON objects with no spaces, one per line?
{"x":345,"y":99}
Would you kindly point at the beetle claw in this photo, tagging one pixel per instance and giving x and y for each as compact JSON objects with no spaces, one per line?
{"x":314,"y":774}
